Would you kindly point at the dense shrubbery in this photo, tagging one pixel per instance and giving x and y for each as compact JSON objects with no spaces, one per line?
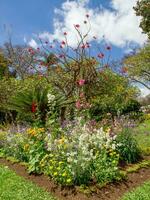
{"x":129,"y":150}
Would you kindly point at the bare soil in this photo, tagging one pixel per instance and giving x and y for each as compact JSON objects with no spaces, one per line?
{"x":113,"y":191}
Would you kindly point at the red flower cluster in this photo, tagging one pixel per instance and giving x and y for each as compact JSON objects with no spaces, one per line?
{"x":31,"y":51}
{"x":33,"y":107}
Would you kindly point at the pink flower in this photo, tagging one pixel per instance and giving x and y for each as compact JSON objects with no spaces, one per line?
{"x":77,"y":26}
{"x":81,"y":82}
{"x":78,"y":104}
{"x":81,"y":95}
{"x":100,"y":55}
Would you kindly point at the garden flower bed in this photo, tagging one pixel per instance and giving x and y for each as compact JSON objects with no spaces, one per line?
{"x":111,"y":191}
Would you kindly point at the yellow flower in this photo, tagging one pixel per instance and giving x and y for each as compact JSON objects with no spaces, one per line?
{"x":64,"y":174}
{"x":41,"y":130}
{"x":51,"y":167}
{"x":69,"y":180}
{"x":26,"y":146}
{"x":61,"y":141}
{"x":61,"y":162}
{"x":31,"y":132}
{"x":55,"y":173}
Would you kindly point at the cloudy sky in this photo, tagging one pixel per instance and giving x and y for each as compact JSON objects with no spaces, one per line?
{"x":112,"y":21}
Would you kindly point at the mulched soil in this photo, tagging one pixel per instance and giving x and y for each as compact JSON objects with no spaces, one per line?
{"x":110,"y":192}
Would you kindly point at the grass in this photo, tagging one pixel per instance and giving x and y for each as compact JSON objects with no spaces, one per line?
{"x":140,"y":193}
{"x":142,"y":135}
{"x":13,"y":187}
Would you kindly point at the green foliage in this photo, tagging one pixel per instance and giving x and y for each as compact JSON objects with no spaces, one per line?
{"x":136,"y":167}
{"x":4,"y":71}
{"x":128,"y":150}
{"x":140,"y":193}
{"x":138,"y":66}
{"x":142,"y":136}
{"x":113,"y":95}
{"x":35,"y":149}
{"x":106,"y":166}
{"x":31,"y":105}
{"x":143,"y":9}
{"x":12,"y":144}
{"x":15,"y":187}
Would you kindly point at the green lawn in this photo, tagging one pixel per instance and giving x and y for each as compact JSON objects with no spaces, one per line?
{"x":13,"y":187}
{"x":140,"y":193}
{"x":142,"y":135}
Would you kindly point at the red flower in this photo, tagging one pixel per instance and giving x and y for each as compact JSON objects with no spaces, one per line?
{"x":83,"y":46}
{"x":100,"y":55}
{"x":63,"y":42}
{"x":108,"y":47}
{"x":77,"y":26}
{"x":33,"y":107}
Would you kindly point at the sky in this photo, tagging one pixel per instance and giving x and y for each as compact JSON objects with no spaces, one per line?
{"x":112,"y":21}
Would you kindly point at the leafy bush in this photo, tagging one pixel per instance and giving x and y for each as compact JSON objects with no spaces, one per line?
{"x":129,"y":150}
{"x":35,"y":148}
{"x":12,"y":144}
{"x":106,"y":166}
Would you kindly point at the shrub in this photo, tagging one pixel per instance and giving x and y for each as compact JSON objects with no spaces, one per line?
{"x":35,"y":148}
{"x":129,"y":150}
{"x":106,"y":166}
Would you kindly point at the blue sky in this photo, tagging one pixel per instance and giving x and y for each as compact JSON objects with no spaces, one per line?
{"x":49,"y":18}
{"x":24,"y":18}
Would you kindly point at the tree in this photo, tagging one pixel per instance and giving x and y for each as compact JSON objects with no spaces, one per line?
{"x":113,"y":96}
{"x":143,"y":9}
{"x":3,"y":66}
{"x":20,"y":59}
{"x":138,"y":66}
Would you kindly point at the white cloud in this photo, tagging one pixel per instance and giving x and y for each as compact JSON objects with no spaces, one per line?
{"x":33,"y":43}
{"x":120,"y":25}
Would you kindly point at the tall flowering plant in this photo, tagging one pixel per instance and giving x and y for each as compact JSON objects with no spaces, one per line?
{"x":73,"y":70}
